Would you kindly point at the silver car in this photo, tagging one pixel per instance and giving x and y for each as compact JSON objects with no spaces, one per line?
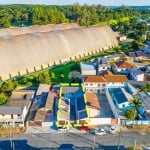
{"x":100,"y":131}
{"x":112,"y":129}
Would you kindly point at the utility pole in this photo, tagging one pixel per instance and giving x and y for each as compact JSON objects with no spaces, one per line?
{"x":119,"y":137}
{"x":94,"y":143}
{"x":11,"y":144}
{"x":135,"y":144}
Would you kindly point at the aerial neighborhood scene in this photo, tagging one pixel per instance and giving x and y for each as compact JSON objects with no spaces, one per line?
{"x":74,"y":75}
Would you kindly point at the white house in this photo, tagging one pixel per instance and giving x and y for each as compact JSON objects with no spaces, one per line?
{"x":15,"y":111}
{"x":98,"y":84}
{"x":103,"y":64}
{"x":87,"y":68}
{"x":118,"y":97}
{"x":137,"y":74}
{"x":122,"y":67}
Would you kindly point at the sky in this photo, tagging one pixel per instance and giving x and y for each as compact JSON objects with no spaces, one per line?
{"x":65,"y":2}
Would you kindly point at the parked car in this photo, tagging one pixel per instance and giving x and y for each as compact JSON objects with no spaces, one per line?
{"x":112,"y":129}
{"x":84,"y":128}
{"x":100,"y":131}
{"x":62,"y":128}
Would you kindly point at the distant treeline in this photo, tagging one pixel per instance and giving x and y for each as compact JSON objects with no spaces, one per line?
{"x":85,"y":15}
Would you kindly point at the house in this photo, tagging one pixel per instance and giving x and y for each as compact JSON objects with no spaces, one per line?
{"x":122,"y":38}
{"x":137,"y":74}
{"x":93,"y":104}
{"x":87,"y":68}
{"x":98,"y":84}
{"x":118,"y":97}
{"x":147,"y":49}
{"x":106,"y":72}
{"x":72,"y":107}
{"x":15,"y":111}
{"x":115,"y":80}
{"x":103,"y":64}
{"x":122,"y":67}
{"x":95,"y":84}
{"x":42,"y":106}
{"x":137,"y":55}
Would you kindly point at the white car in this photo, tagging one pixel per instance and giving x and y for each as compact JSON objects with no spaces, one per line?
{"x":112,"y":129}
{"x":100,"y":131}
{"x":62,"y":129}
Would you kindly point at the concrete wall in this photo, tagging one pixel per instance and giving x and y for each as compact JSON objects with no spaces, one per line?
{"x":100,"y":121}
{"x":112,"y":105}
{"x":94,"y":112}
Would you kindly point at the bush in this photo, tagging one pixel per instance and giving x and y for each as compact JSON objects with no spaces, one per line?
{"x":3,"y":99}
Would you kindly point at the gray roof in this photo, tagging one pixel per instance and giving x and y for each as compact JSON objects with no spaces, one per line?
{"x":87,"y":66}
{"x":26,"y":51}
{"x":7,"y":110}
{"x":43,"y":88}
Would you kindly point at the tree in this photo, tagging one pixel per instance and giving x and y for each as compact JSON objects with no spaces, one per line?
{"x":3,"y":99}
{"x":136,"y":103}
{"x":44,"y":78}
{"x":8,"y":86}
{"x":146,"y":88}
{"x":130,"y":114}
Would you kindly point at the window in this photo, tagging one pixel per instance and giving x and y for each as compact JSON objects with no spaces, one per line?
{"x":103,"y":85}
{"x":123,"y":105}
{"x":18,"y":115}
{"x":3,"y":115}
{"x":86,"y":84}
{"x":99,"y":85}
{"x":91,"y":84}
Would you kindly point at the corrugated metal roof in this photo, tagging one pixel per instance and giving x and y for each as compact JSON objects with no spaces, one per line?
{"x":6,"y":110}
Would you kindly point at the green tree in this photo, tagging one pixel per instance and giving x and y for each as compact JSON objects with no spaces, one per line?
{"x":145,"y":88}
{"x":3,"y":99}
{"x":44,"y":78}
{"x":8,"y":86}
{"x":136,"y":103}
{"x":130,"y":114}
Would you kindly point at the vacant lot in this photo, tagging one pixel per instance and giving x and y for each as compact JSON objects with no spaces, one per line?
{"x":10,"y":130}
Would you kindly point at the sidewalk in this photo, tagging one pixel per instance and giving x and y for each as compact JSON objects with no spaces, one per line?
{"x":36,"y":129}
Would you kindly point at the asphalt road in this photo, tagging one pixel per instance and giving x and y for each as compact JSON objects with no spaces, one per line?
{"x":70,"y":140}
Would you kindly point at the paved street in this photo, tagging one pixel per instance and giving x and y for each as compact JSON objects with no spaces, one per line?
{"x":59,"y":140}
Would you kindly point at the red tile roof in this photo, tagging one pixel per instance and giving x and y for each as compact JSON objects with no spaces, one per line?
{"x":106,"y":78}
{"x":116,"y":78}
{"x":106,"y":72}
{"x":95,"y":79}
{"x":125,"y":64}
{"x":92,"y":100}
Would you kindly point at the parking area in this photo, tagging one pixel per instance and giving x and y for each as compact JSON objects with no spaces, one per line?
{"x":106,"y":111}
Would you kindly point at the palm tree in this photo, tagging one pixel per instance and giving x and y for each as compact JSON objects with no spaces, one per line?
{"x":136,"y":103}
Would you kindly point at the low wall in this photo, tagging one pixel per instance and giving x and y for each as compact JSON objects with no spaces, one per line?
{"x":100,"y":121}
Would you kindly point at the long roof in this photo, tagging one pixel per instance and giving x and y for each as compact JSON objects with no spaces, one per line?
{"x":33,"y":49}
{"x":106,"y":78}
{"x":125,"y":64}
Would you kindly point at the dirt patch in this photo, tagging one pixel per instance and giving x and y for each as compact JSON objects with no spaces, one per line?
{"x":139,"y":128}
{"x":10,"y":130}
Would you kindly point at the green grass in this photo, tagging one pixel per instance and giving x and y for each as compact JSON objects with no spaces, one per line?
{"x":61,"y":72}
